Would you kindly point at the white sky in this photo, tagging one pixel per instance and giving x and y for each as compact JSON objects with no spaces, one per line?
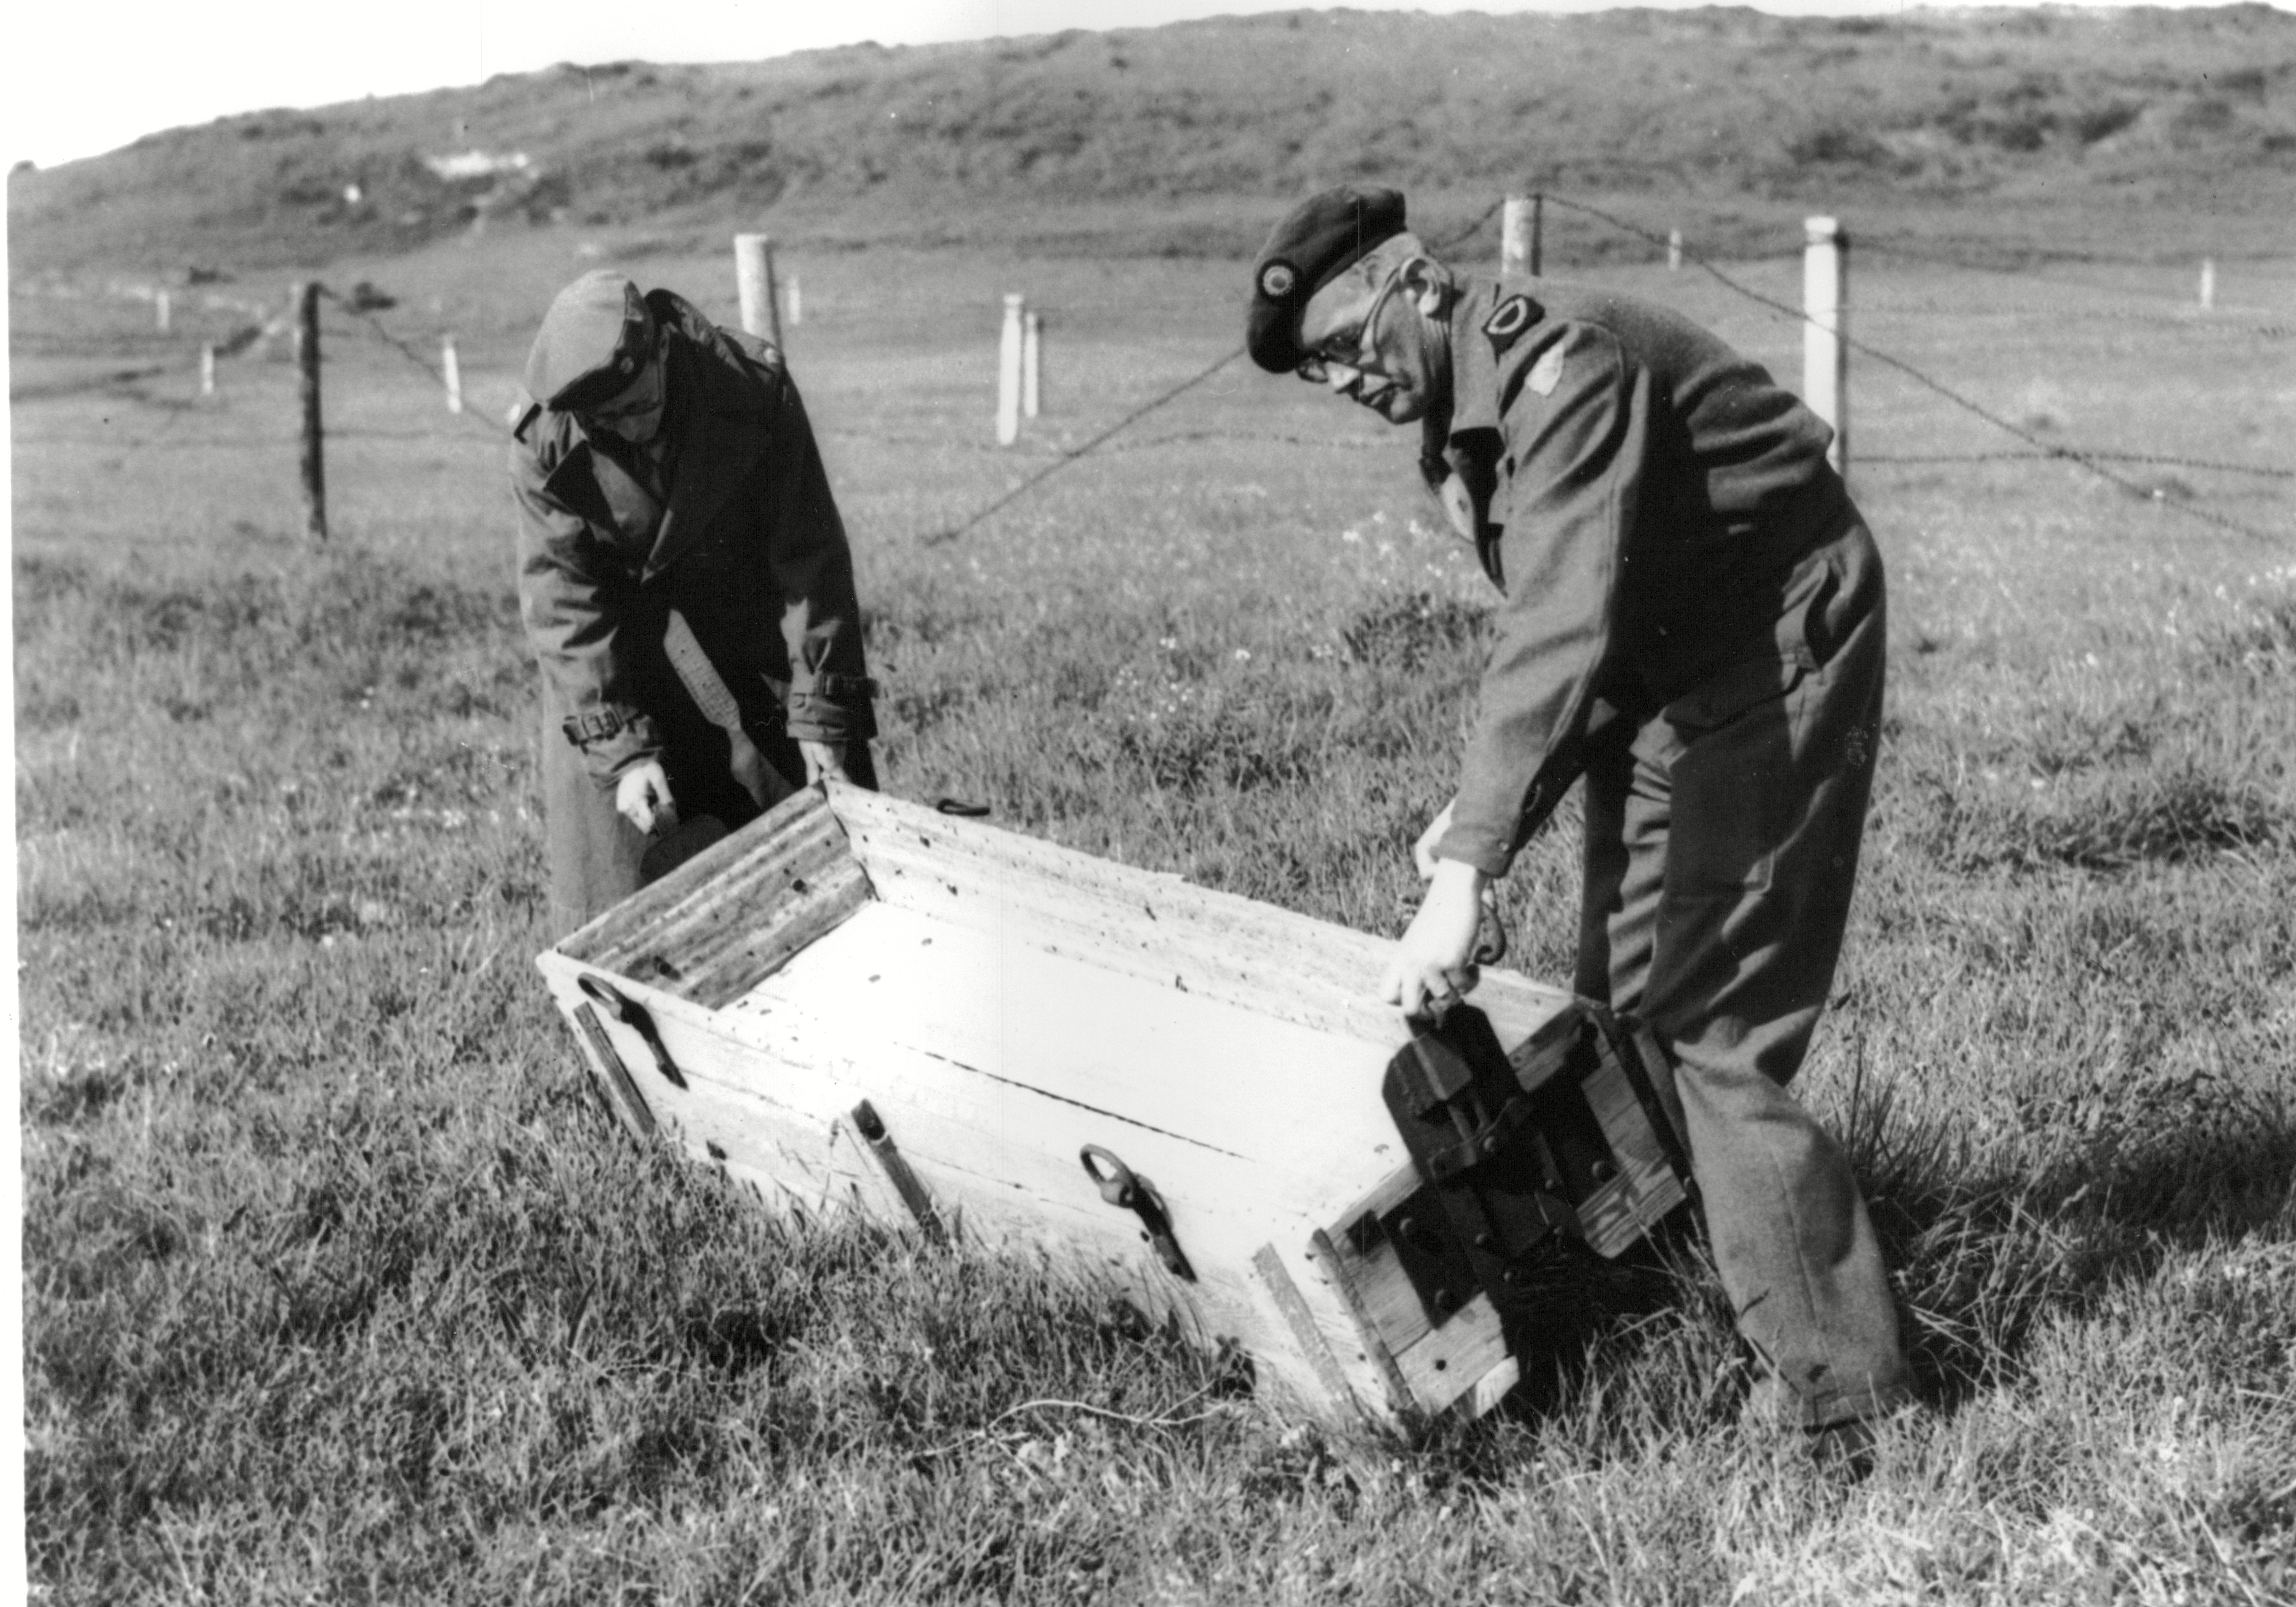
{"x":89,"y":76}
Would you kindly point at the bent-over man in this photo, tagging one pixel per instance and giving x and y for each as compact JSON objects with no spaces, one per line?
{"x":1693,"y":623}
{"x":684,"y":581}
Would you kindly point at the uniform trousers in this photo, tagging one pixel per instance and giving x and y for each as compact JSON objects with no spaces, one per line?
{"x":1721,"y":845}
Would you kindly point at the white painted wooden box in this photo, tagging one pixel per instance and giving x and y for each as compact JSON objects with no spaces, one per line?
{"x":858,"y":1002}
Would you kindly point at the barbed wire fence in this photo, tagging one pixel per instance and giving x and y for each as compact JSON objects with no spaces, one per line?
{"x":364,"y":309}
{"x":2095,"y":461}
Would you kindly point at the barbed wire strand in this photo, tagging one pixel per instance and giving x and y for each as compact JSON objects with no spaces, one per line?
{"x":40,"y":390}
{"x":420,"y":361}
{"x":2151,"y":459}
{"x":940,"y":537}
{"x":2086,"y":460}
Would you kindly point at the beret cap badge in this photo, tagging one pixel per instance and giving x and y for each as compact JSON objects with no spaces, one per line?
{"x":1278,"y":280}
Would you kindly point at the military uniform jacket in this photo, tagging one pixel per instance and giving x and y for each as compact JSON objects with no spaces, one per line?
{"x":1649,"y":491}
{"x":735,"y":529}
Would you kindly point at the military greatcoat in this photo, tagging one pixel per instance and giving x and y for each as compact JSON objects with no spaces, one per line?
{"x":1693,"y":623}
{"x":731,"y":525}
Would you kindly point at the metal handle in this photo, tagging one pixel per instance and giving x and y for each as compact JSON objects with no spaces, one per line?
{"x":633,"y":1014}
{"x":1490,"y":931}
{"x":1127,"y":1190}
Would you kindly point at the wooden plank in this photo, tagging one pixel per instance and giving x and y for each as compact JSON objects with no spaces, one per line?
{"x":612,"y":1075}
{"x":1215,"y":1075}
{"x":726,"y":951}
{"x":1453,"y":1359}
{"x":1620,"y":1212}
{"x":1271,"y":961}
{"x":1399,"y":1396}
{"x":1439,"y":1364}
{"x":796,"y":815}
{"x":730,"y":916}
{"x":1268,"y":1263}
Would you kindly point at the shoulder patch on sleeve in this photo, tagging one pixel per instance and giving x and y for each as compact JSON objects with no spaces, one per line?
{"x":1509,"y":319}
{"x":1547,"y":371}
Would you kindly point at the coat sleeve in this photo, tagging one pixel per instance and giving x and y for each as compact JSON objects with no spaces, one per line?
{"x":573,"y":603}
{"x":830,"y":689}
{"x":1575,"y":455}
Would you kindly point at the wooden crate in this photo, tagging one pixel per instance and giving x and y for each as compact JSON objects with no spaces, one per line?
{"x":858,"y":1002}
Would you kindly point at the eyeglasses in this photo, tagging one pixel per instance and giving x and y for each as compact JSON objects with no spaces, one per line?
{"x":1317,"y":366}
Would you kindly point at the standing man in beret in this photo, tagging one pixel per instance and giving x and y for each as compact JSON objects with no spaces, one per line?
{"x":684,"y":581}
{"x":1693,"y":623}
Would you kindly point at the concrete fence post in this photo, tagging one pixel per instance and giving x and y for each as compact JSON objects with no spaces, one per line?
{"x":1033,"y":353}
{"x":1826,"y":330}
{"x":1008,"y":374}
{"x":207,"y":368}
{"x":1522,"y":222}
{"x":753,"y":272}
{"x":450,"y":369}
{"x":1674,"y":250}
{"x":162,"y":311}
{"x":795,"y":301}
{"x":314,"y":475}
{"x":2207,"y":284}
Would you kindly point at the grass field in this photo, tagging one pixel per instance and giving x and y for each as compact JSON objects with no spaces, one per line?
{"x":338,"y":1288}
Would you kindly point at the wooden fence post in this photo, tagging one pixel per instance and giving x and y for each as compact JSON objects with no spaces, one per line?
{"x":754,"y":271}
{"x":450,"y":369}
{"x":1520,"y":224}
{"x":1008,"y":374}
{"x":1033,"y":350}
{"x":307,"y":359}
{"x":1825,"y":330}
{"x":1674,"y":250}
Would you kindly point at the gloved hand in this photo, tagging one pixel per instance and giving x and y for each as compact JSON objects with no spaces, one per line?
{"x":643,"y":796}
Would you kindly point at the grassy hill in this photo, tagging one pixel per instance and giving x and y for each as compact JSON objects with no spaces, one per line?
{"x":1147,"y":137}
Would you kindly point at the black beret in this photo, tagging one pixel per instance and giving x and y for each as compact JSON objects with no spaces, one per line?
{"x":1318,"y":240}
{"x":595,"y":338}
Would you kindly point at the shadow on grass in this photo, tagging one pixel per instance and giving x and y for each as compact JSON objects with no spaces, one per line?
{"x":1987,"y":1255}
{"x":1985,"y":1258}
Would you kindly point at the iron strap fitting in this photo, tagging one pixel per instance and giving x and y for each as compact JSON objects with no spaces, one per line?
{"x":1127,"y":1190}
{"x":627,"y":1011}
